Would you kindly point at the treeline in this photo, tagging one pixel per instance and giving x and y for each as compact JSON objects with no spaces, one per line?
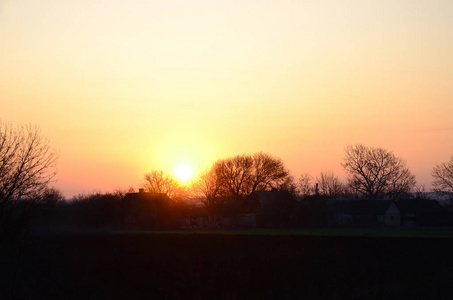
{"x":28,"y":167}
{"x":85,"y":212}
{"x":227,"y":185}
{"x":373,"y":173}
{"x":113,"y":212}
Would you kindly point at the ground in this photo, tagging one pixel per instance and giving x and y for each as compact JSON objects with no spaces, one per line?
{"x":310,"y":264}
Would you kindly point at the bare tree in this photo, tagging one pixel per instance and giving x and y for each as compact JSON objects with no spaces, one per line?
{"x":304,"y":185}
{"x":27,"y":165}
{"x":287,"y":184}
{"x":329,"y":185}
{"x":183,"y":194}
{"x":241,"y":175}
{"x":235,"y":174}
{"x":52,"y":196}
{"x":375,"y":172}
{"x":443,"y":177}
{"x":269,"y":172}
{"x":160,"y":182}
{"x":209,"y":186}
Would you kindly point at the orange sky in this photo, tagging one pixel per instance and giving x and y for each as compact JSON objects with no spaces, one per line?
{"x":124,"y":87}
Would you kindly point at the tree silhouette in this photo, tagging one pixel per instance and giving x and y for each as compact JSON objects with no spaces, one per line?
{"x":241,"y":175}
{"x":329,"y":185}
{"x":375,"y":172}
{"x":235,"y":174}
{"x":443,"y":177}
{"x":304,"y":185}
{"x":160,"y":182}
{"x":269,"y":172}
{"x":209,"y":186}
{"x":27,"y":165}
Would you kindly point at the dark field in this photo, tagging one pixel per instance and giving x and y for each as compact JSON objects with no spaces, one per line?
{"x":226,"y":266}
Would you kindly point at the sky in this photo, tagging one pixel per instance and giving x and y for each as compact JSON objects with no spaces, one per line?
{"x":121,"y":88}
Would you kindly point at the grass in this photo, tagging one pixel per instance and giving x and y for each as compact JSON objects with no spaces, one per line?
{"x":427,"y":232}
{"x":375,"y":263}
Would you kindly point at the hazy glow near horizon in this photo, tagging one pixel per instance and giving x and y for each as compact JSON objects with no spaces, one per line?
{"x":125,"y":87}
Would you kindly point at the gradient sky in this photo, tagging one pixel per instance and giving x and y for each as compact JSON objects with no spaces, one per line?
{"x":125,"y":87}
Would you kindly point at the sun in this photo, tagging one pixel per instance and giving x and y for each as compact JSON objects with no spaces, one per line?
{"x":183,"y":173}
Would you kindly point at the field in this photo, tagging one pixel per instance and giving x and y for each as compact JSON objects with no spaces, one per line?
{"x":302,"y":264}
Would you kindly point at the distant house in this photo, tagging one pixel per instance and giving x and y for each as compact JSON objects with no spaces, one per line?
{"x":269,"y":201}
{"x":260,"y":209}
{"x":364,"y":213}
{"x":423,"y":212}
{"x":145,"y":210}
{"x":244,"y":220}
{"x":199,"y":217}
{"x":269,"y":208}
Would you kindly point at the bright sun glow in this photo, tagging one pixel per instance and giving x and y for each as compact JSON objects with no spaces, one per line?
{"x":183,"y":173}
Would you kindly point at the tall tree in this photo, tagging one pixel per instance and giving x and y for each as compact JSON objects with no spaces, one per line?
{"x":209,"y":186}
{"x":27,"y":162}
{"x":241,"y":175}
{"x":160,"y":182}
{"x":329,"y":185}
{"x":374,"y":172}
{"x":443,"y":177}
{"x":269,"y":172}
{"x":235,"y":174}
{"x":27,"y":165}
{"x":304,"y":185}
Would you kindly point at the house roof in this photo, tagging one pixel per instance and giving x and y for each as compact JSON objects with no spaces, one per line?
{"x":266,"y":200}
{"x":419,"y":206}
{"x":198,"y":211}
{"x":146,"y":196}
{"x":362,"y":207}
{"x":146,"y":200}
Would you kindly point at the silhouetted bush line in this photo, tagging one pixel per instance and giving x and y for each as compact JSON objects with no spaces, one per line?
{"x":218,"y":198}
{"x":109,"y":211}
{"x":85,"y":212}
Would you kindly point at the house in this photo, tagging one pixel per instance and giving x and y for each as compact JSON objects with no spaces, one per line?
{"x":199,"y":217}
{"x":269,"y":201}
{"x":260,"y":209}
{"x":245,"y":220}
{"x":364,"y":213}
{"x":269,"y":208}
{"x":423,"y":212}
{"x":145,"y":210}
